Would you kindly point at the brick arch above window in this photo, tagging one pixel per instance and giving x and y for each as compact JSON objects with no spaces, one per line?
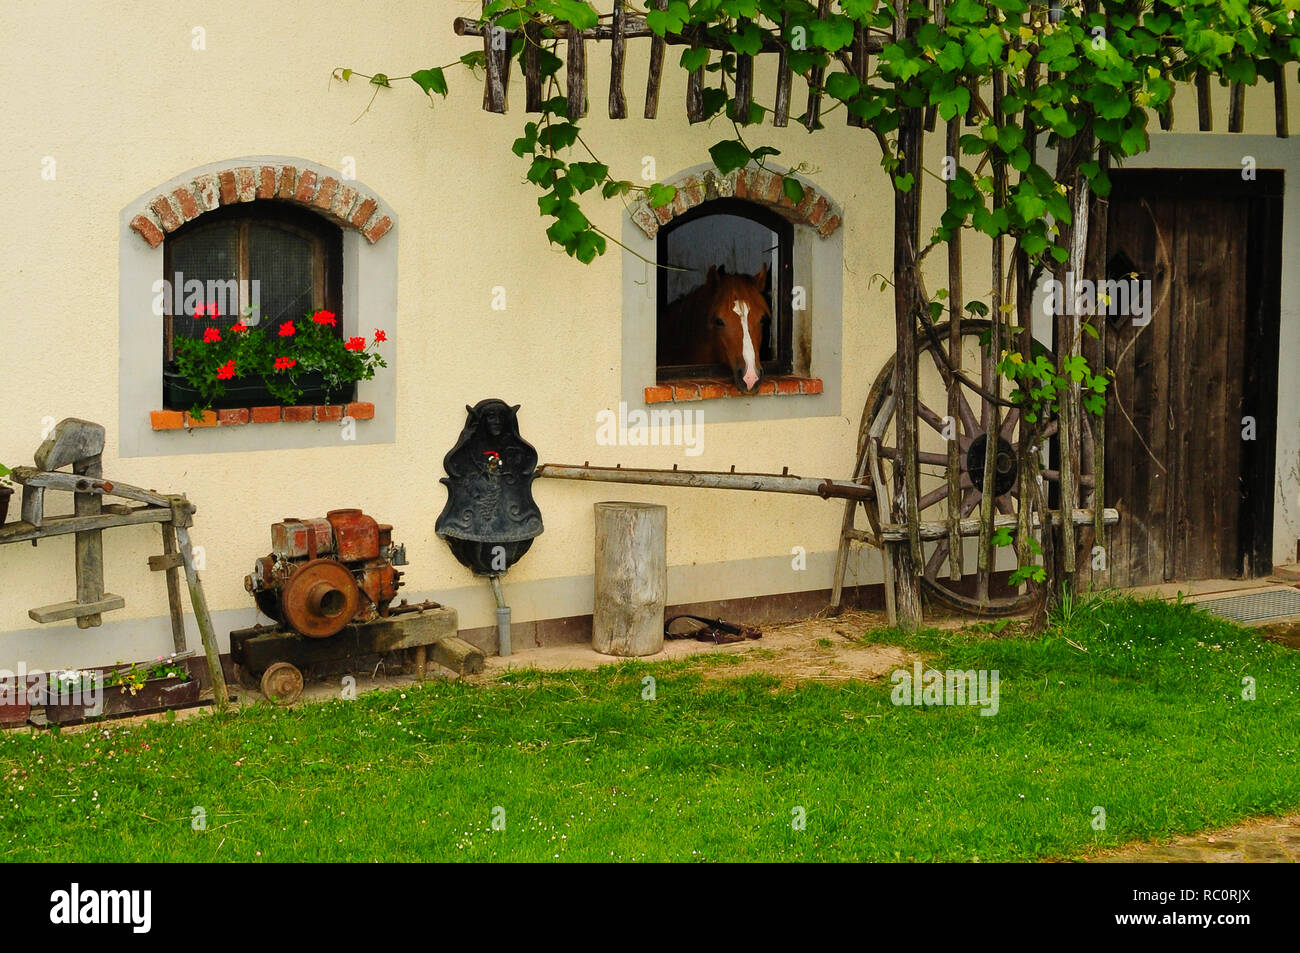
{"x":346,"y":204}
{"x":760,"y":186}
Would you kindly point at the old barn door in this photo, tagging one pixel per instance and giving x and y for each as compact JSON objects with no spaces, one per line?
{"x":1190,"y":422}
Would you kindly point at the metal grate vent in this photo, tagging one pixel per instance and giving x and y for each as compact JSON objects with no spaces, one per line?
{"x":1255,"y":606}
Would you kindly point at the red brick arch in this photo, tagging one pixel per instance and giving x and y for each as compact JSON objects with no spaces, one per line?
{"x":760,"y":186}
{"x":342,"y":203}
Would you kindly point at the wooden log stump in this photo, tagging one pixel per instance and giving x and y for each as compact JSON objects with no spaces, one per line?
{"x":631,"y":578}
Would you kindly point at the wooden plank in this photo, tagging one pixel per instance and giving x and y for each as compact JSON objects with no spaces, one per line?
{"x":458,"y":655}
{"x":1279,"y":103}
{"x":73,"y":609}
{"x":494,"y":86}
{"x":259,"y":647}
{"x":817,"y":76}
{"x":781,"y":107}
{"x":931,"y":530}
{"x":1236,"y":107}
{"x":532,"y":66}
{"x":88,"y":548}
{"x":169,"y":560}
{"x":743,"y":94}
{"x":656,"y":68}
{"x":992,"y":417}
{"x":575,"y":76}
{"x":1204,"y":115}
{"x":71,"y":440}
{"x":63,"y":525}
{"x":175,"y":563}
{"x":695,"y":83}
{"x":617,"y":49}
{"x":72,"y":483}
{"x":859,"y":67}
{"x":180,"y":509}
{"x":33,"y":510}
{"x":955,"y":303}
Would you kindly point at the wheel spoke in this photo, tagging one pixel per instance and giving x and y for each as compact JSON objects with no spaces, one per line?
{"x":931,"y":418}
{"x":1009,"y":422}
{"x":936,"y":559}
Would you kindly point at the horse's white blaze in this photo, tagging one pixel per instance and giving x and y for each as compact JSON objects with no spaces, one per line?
{"x":747,"y":347}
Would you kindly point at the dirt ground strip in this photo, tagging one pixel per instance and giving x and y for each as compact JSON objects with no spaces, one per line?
{"x":1265,"y":840}
{"x":816,"y":649}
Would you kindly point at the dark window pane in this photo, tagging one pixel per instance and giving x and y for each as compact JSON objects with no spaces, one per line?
{"x":211,"y":257}
{"x":280,"y":262}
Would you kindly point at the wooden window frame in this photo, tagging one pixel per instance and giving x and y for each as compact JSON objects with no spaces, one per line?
{"x":327,"y":263}
{"x":781,"y":282}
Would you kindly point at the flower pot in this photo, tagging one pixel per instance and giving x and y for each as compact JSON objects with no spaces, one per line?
{"x":14,"y":704}
{"x":6,"y":493}
{"x":180,"y":394}
{"x":158,"y":694}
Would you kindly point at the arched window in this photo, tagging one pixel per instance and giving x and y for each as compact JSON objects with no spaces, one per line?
{"x":739,"y":237}
{"x":266,"y":262}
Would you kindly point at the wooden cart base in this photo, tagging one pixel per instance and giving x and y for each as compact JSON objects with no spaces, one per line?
{"x":274,"y":658}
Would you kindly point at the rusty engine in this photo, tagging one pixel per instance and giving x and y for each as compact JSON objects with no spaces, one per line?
{"x":324,"y":574}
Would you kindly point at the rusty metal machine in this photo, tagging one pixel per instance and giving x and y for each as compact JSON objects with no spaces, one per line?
{"x":329,"y":584}
{"x":324,"y":574}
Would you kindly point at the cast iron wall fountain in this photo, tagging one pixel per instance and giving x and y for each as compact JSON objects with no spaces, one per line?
{"x":490,"y":519}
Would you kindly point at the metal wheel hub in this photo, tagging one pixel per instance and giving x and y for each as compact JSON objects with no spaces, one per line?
{"x":1005,"y":461}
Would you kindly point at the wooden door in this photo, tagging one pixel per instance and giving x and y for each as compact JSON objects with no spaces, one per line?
{"x":1188,"y":469}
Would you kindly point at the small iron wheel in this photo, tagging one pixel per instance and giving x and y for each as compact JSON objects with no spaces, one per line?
{"x":282,"y":683}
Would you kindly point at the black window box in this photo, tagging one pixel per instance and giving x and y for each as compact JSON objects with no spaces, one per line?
{"x":180,"y":394}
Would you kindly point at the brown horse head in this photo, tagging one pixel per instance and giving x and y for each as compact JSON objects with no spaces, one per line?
{"x":734,"y":323}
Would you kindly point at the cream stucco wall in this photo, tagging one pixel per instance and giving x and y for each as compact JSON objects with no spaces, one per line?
{"x":118,"y":97}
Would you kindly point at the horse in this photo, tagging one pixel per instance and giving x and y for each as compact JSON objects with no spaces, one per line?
{"x":720,"y":322}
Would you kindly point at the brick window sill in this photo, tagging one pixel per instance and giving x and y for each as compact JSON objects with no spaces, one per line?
{"x":717,"y":388}
{"x":239,"y":416}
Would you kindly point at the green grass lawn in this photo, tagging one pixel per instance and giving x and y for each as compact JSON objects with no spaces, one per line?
{"x":1133,"y":707}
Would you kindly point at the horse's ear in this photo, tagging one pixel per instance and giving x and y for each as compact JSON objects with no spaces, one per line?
{"x":760,"y":279}
{"x":713,"y":275}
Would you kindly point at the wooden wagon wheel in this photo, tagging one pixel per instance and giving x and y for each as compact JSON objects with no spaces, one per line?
{"x":968,"y":429}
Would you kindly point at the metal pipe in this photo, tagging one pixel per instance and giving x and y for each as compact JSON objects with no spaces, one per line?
{"x":713,"y":480}
{"x":503,"y":617}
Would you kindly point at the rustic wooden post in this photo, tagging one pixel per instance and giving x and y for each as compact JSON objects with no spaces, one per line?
{"x":575,"y":75}
{"x":815,"y":77}
{"x":744,"y":90}
{"x":953,"y":153}
{"x":908,"y":560}
{"x":695,"y":83}
{"x":1279,"y":103}
{"x":1204,"y":117}
{"x":181,"y":519}
{"x":631,"y":578}
{"x":1028,"y":459}
{"x":992,"y":382}
{"x":494,"y":85}
{"x":617,"y":101}
{"x":532,"y":67}
{"x":172,"y":558}
{"x":1236,"y":107}
{"x":858,"y":66}
{"x":656,"y":67}
{"x":781,"y":107}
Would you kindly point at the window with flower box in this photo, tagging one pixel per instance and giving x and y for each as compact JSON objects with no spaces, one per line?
{"x":256,"y":265}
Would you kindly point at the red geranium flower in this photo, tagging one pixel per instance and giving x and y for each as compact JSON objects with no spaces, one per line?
{"x":287,"y":329}
{"x":284,"y":363}
{"x":210,"y":310}
{"x":226,"y":371}
{"x":380,"y":336}
{"x":238,"y":328}
{"x":355,"y":344}
{"x":324,"y":317}
{"x":211,"y":335}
